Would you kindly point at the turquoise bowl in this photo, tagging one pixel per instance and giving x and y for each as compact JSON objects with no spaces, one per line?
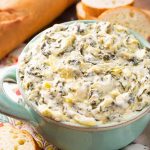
{"x":72,"y":137}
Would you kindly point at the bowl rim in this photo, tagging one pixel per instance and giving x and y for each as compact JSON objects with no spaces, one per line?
{"x":108,"y":126}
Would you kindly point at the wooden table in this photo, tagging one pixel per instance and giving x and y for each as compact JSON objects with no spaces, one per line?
{"x":142,"y":4}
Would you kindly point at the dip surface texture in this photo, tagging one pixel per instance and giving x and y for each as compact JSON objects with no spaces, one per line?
{"x":87,"y":74}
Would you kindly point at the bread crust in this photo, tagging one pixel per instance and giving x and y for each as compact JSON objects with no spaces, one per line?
{"x":19,"y":20}
{"x":93,"y":11}
{"x":33,"y":141}
{"x":82,"y":14}
{"x":97,"y":11}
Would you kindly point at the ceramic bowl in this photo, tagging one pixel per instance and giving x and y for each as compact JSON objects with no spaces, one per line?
{"x":71,"y":137}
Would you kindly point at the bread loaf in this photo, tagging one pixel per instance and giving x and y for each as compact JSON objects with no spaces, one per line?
{"x":96,"y":7}
{"x":130,"y":17}
{"x":20,"y":19}
{"x":15,"y":139}
{"x":82,"y":14}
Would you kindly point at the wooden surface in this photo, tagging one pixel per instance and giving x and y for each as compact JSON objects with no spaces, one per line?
{"x":142,"y":4}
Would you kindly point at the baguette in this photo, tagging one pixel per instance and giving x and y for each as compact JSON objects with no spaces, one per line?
{"x":130,"y":17}
{"x":82,"y":14}
{"x":96,"y":7}
{"x":20,"y":19}
{"x":15,"y":139}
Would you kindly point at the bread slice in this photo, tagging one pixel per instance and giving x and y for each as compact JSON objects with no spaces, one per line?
{"x":96,"y":7}
{"x":129,"y":17}
{"x":15,"y":139}
{"x":82,"y":14}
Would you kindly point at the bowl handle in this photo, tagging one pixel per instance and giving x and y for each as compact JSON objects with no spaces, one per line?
{"x":7,"y":105}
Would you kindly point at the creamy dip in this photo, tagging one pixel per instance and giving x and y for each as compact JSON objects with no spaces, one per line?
{"x":86,"y":74}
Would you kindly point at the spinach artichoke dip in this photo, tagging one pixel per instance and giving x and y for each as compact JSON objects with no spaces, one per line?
{"x":86,"y":74}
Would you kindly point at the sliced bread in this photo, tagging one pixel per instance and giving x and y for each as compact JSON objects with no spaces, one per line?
{"x":129,"y":17}
{"x":96,"y":7}
{"x":15,"y":139}
{"x":82,"y":14}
